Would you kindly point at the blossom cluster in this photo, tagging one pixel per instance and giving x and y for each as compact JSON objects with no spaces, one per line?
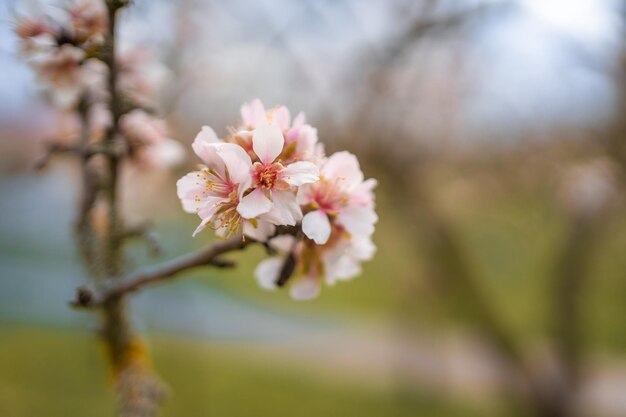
{"x":66,"y":48}
{"x":270,"y":171}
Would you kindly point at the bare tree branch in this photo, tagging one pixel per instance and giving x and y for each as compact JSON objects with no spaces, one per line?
{"x":54,"y":148}
{"x":212,"y":255}
{"x":424,"y":26}
{"x":145,"y":233}
{"x":166,"y":270}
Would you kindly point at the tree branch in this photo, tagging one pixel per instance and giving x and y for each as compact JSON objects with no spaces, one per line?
{"x":82,"y":150}
{"x":54,"y":148}
{"x":145,"y":233}
{"x":209,"y":256}
{"x":426,"y":25}
{"x":87,"y":298}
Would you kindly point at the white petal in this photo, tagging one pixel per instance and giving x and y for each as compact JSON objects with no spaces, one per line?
{"x":261,"y":232}
{"x":304,"y":194}
{"x":206,"y":136}
{"x":307,"y":141}
{"x":201,"y":226}
{"x":208,"y":153}
{"x":345,"y":166}
{"x":342,"y":269}
{"x":362,"y":248}
{"x":281,"y":117}
{"x":168,"y":153}
{"x":210,"y":206}
{"x":305,"y":289}
{"x":283,"y":243}
{"x":207,"y":212}
{"x":363,"y":193}
{"x":299,"y":121}
{"x":243,"y":186}
{"x":267,"y":142}
{"x":266,"y":273}
{"x":358,"y":220}
{"x":253,"y":113}
{"x":237,"y":161}
{"x":254,"y":204}
{"x":186,"y":188}
{"x":285,"y":209}
{"x":300,"y":173}
{"x":316,"y":226}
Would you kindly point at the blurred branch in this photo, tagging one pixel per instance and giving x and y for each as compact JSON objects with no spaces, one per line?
{"x":52,"y":149}
{"x":448,"y":264}
{"x":211,"y":255}
{"x":86,"y":241}
{"x":423,"y":26}
{"x":139,"y":391}
{"x":570,"y":274}
{"x":83,"y":150}
{"x":162,"y":272}
{"x":145,"y":233}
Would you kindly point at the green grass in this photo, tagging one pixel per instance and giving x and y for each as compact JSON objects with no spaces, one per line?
{"x":56,"y":372}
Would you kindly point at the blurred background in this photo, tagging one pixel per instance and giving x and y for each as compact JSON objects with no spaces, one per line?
{"x":497,"y":131}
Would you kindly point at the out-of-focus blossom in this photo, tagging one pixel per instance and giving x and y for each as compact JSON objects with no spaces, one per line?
{"x":35,"y":33}
{"x":140,"y":77}
{"x":588,"y":189}
{"x":148,"y":140}
{"x":89,"y":20}
{"x":30,"y":24}
{"x":69,"y":125}
{"x":59,"y":71}
{"x":59,"y":46}
{"x":341,"y":196}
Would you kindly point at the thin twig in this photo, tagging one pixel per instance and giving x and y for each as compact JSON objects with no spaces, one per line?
{"x":84,"y":151}
{"x":145,"y":233}
{"x":212,"y":255}
{"x":54,"y":148}
{"x":162,"y":272}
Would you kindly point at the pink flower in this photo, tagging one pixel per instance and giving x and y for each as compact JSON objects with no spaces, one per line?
{"x":32,"y":27}
{"x":270,"y":181}
{"x":89,"y":20}
{"x":341,"y":196}
{"x":29,"y":27}
{"x":300,"y":138}
{"x":149,"y":141}
{"x":253,"y":115}
{"x":69,"y":128}
{"x":140,"y":76}
{"x":214,"y":191}
{"x":340,"y":259}
{"x":59,"y":70}
{"x":254,"y":182}
{"x":338,"y":228}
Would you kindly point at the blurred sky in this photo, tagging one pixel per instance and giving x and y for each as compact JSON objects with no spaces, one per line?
{"x":542,"y":64}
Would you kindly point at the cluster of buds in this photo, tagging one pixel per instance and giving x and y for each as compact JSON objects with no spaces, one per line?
{"x":67,"y":49}
{"x":60,"y":47}
{"x":271,"y":172}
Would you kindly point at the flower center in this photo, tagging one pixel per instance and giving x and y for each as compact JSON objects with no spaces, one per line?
{"x":328,"y":196}
{"x":266,"y":176}
{"x":214,"y":184}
